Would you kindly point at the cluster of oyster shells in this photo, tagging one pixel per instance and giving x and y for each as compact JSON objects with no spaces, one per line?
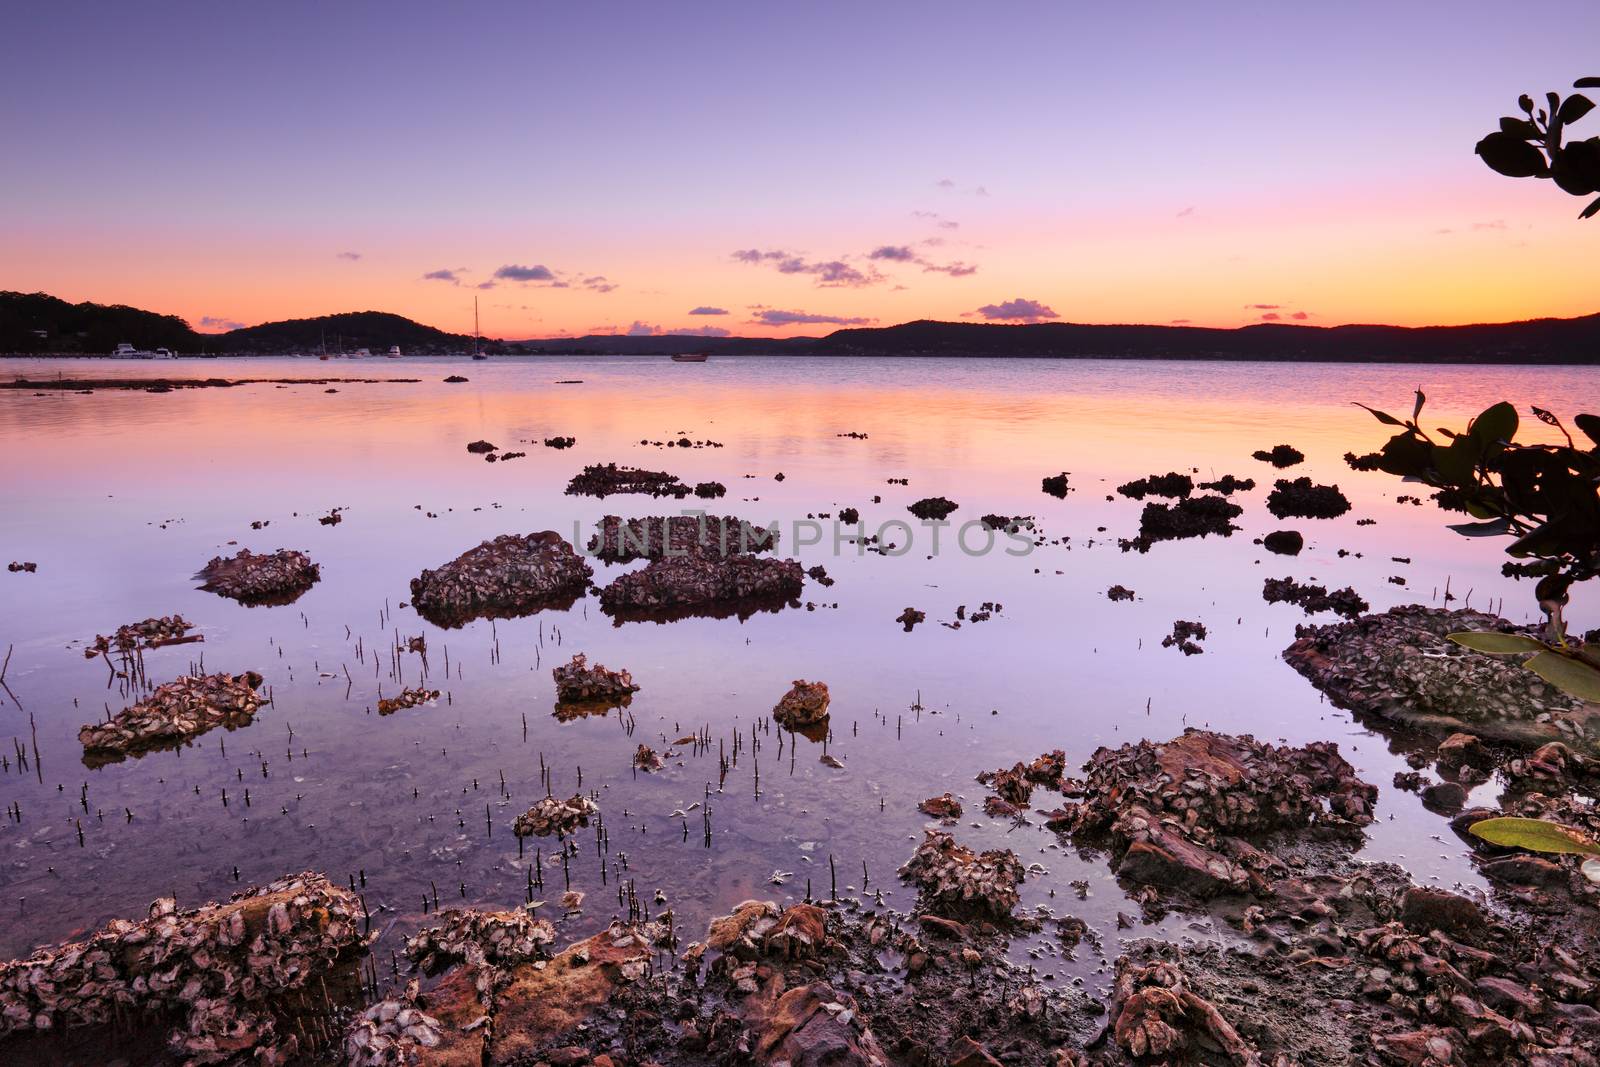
{"x":389,"y":1033}
{"x":218,"y":970}
{"x":648,"y":759}
{"x":512,"y":574}
{"x":605,"y":479}
{"x":551,"y":816}
{"x":653,"y":537}
{"x":805,"y":704}
{"x":956,"y":880}
{"x":277,"y":576}
{"x":579,"y":683}
{"x":408,"y":698}
{"x":481,"y":938}
{"x":150,"y":633}
{"x":177,"y":710}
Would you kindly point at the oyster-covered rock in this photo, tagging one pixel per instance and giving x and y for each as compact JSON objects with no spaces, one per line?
{"x":551,"y":816}
{"x":408,"y":698}
{"x":276,"y":578}
{"x":604,"y":480}
{"x":511,"y":575}
{"x":956,"y":881}
{"x":805,"y":704}
{"x":177,"y":710}
{"x":622,"y":540}
{"x":150,"y":633}
{"x":579,"y":683}
{"x":677,"y":586}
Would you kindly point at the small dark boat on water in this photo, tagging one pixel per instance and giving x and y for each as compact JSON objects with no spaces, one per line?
{"x":689,"y":357}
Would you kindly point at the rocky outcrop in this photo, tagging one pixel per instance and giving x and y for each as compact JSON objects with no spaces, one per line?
{"x":1314,"y":598}
{"x":623,"y":540}
{"x":223,"y":974}
{"x":603,"y":480}
{"x":512,"y":575}
{"x":177,"y":710}
{"x":1183,"y":815}
{"x":805,"y":704}
{"x":551,"y":816}
{"x":1400,"y":665}
{"x":682,"y":586}
{"x":150,"y":633}
{"x":276,"y":578}
{"x":1303,"y":498}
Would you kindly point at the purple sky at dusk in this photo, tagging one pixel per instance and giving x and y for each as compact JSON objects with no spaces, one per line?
{"x":641,"y":166}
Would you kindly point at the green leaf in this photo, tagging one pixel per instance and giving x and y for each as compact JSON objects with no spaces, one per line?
{"x":1382,"y":416}
{"x":1498,"y":644}
{"x":1498,"y":423}
{"x":1493,"y":528}
{"x":1574,"y":108}
{"x":1591,"y":210}
{"x":1589,"y":424}
{"x":1519,"y":128}
{"x":1569,"y":675}
{"x":1455,"y":463}
{"x":1417,"y":410}
{"x":1587,"y":83}
{"x":1512,"y":156}
{"x":1536,"y":835}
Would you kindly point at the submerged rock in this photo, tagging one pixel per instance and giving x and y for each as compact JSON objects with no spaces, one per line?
{"x":603,"y":480}
{"x":277,"y":578}
{"x":944,"y":806}
{"x":1280,"y":456}
{"x":1195,"y":516}
{"x":955,"y":881}
{"x":805,"y":704}
{"x":1171,"y":484}
{"x":1400,"y":665}
{"x":479,"y":448}
{"x":221,"y":976}
{"x":910,"y":617}
{"x":933,"y":507}
{"x":1180,"y":815}
{"x":178,"y":710}
{"x":676,"y":586}
{"x":1284,"y":542}
{"x":551,"y":816}
{"x":623,"y":540}
{"x":514,"y":574}
{"x":1056,"y":485}
{"x":1314,"y":598}
{"x":1185,"y":636}
{"x":579,"y":683}
{"x":1303,"y":498}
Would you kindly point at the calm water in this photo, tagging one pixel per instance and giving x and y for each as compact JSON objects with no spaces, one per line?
{"x":121,"y":496}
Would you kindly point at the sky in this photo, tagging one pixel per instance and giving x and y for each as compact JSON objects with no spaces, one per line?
{"x":774,"y":170}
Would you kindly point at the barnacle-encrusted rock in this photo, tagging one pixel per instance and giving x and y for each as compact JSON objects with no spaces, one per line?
{"x":1180,"y":814}
{"x":1280,"y":455}
{"x":391,"y":1033}
{"x":276,"y":578}
{"x":552,"y":816}
{"x":1056,"y":485}
{"x":693,"y":585}
{"x":956,"y":881}
{"x":603,"y":480}
{"x":1400,"y":665}
{"x":579,"y":683}
{"x":408,"y":698}
{"x":648,"y":759}
{"x":514,"y":574}
{"x":622,"y":540}
{"x":1193,"y":516}
{"x":150,"y":633}
{"x":1314,"y":598}
{"x":178,"y":710}
{"x":805,"y":704}
{"x":1303,"y":498}
{"x":219,"y":973}
{"x":944,"y":806}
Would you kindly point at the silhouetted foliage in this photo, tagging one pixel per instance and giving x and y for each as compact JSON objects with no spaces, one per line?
{"x":1531,"y":147}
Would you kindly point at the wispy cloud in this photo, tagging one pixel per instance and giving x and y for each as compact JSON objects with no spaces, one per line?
{"x":905,"y":254}
{"x":897,"y":253}
{"x":348,"y":255}
{"x":640,"y":329}
{"x":451,"y":276}
{"x":1186,"y":212}
{"x":1018,"y":310}
{"x":775,"y":317}
{"x":937,"y":219}
{"x":214,"y":322}
{"x":513,"y":272}
{"x":598,"y":282}
{"x":1262,"y":307}
{"x":1271,"y":316}
{"x":1301,"y":316}
{"x":830,"y":274}
{"x":705,"y":331}
{"x":705,"y":310}
{"x":955,"y":270}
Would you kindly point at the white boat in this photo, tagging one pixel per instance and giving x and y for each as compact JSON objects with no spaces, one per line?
{"x":394,"y":351}
{"x":163,"y":353}
{"x":127,"y":351}
{"x":361,"y":353}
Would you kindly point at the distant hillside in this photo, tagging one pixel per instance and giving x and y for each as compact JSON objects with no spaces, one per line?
{"x":375,"y":330}
{"x":610,"y":344}
{"x":1570,"y":341}
{"x":38,"y":322}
